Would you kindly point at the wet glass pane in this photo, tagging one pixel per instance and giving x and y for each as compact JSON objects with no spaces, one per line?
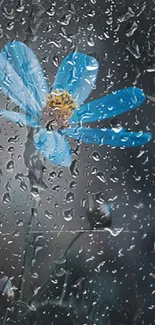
{"x":77,"y":96}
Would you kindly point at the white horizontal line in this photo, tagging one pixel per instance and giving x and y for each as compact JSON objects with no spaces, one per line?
{"x":84,"y":230}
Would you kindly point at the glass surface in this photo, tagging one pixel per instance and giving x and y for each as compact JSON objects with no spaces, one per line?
{"x":77,"y":82}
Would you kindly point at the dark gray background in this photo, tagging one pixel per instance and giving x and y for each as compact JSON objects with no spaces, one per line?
{"x":120,"y":34}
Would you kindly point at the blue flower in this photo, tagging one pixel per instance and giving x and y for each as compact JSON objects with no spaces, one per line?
{"x":62,"y":106}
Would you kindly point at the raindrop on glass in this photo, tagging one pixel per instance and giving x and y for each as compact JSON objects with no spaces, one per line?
{"x":68,"y":214}
{"x":10,"y":165}
{"x":96,"y":156}
{"x":6,"y":198}
{"x":48,"y":215}
{"x":69,"y":197}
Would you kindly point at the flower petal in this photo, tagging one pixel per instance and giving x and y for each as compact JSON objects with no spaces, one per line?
{"x":119,"y":102}
{"x":108,"y":136}
{"x":13,"y":86}
{"x":77,"y":75}
{"x":54,"y":147}
{"x":22,"y":78}
{"x":19,"y":118}
{"x":28,"y":67}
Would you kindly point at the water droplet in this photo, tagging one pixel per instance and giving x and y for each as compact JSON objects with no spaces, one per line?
{"x":101,"y":177}
{"x":69,"y":197}
{"x":131,"y":29}
{"x":56,"y":42}
{"x":109,"y":21}
{"x":1,"y":32}
{"x":126,"y":15}
{"x":48,"y":215}
{"x":101,"y":37}
{"x":99,"y":266}
{"x":23,"y":186}
{"x":10,"y":26}
{"x":100,"y":198}
{"x":141,"y":153}
{"x":130,"y":248}
{"x":20,"y":6}
{"x":34,"y":212}
{"x":14,"y":139}
{"x":60,"y":272}
{"x":64,"y":34}
{"x":106,"y":35}
{"x":94,"y":171}
{"x":72,"y":8}
{"x":136,"y":120}
{"x":96,"y":156}
{"x":60,"y":261}
{"x":11,"y":149}
{"x":10,"y":165}
{"x":23,"y":20}
{"x":137,"y":178}
{"x":35,"y":275}
{"x":90,"y":26}
{"x":55,"y":60}
{"x":74,"y":168}
{"x":51,"y":12}
{"x":56,"y":188}
{"x":1,"y":148}
{"x":65,"y":19}
{"x":73,"y":184}
{"x":116,"y":125}
{"x":9,"y":14}
{"x":8,"y":186}
{"x":83,"y":202}
{"x":113,"y":167}
{"x":133,"y":48}
{"x":33,"y":261}
{"x":113,"y":178}
{"x":78,"y":282}
{"x":35,"y":192}
{"x":6,"y":198}
{"x":91,"y":13}
{"x":60,"y":174}
{"x":142,"y":7}
{"x":52,"y":174}
{"x":139,"y":205}
{"x":114,"y":232}
{"x":68,"y":214}
{"x":49,"y":200}
{"x":91,"y":203}
{"x":90,"y":40}
{"x":38,"y":249}
{"x":20,"y":223}
{"x":151,"y":69}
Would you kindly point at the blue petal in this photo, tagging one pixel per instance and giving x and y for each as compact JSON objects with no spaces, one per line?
{"x":19,"y":118}
{"x":108,"y":136}
{"x":54,"y":147}
{"x":77,"y":75}
{"x":119,"y":102}
{"x":22,"y":78}
{"x":13,"y":87}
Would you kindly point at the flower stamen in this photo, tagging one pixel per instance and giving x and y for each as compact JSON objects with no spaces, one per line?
{"x":61,"y":103}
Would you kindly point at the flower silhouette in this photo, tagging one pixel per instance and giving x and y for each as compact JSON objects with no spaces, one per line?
{"x":60,"y":112}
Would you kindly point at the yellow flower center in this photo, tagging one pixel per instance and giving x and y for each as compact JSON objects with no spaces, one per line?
{"x":61,"y":103}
